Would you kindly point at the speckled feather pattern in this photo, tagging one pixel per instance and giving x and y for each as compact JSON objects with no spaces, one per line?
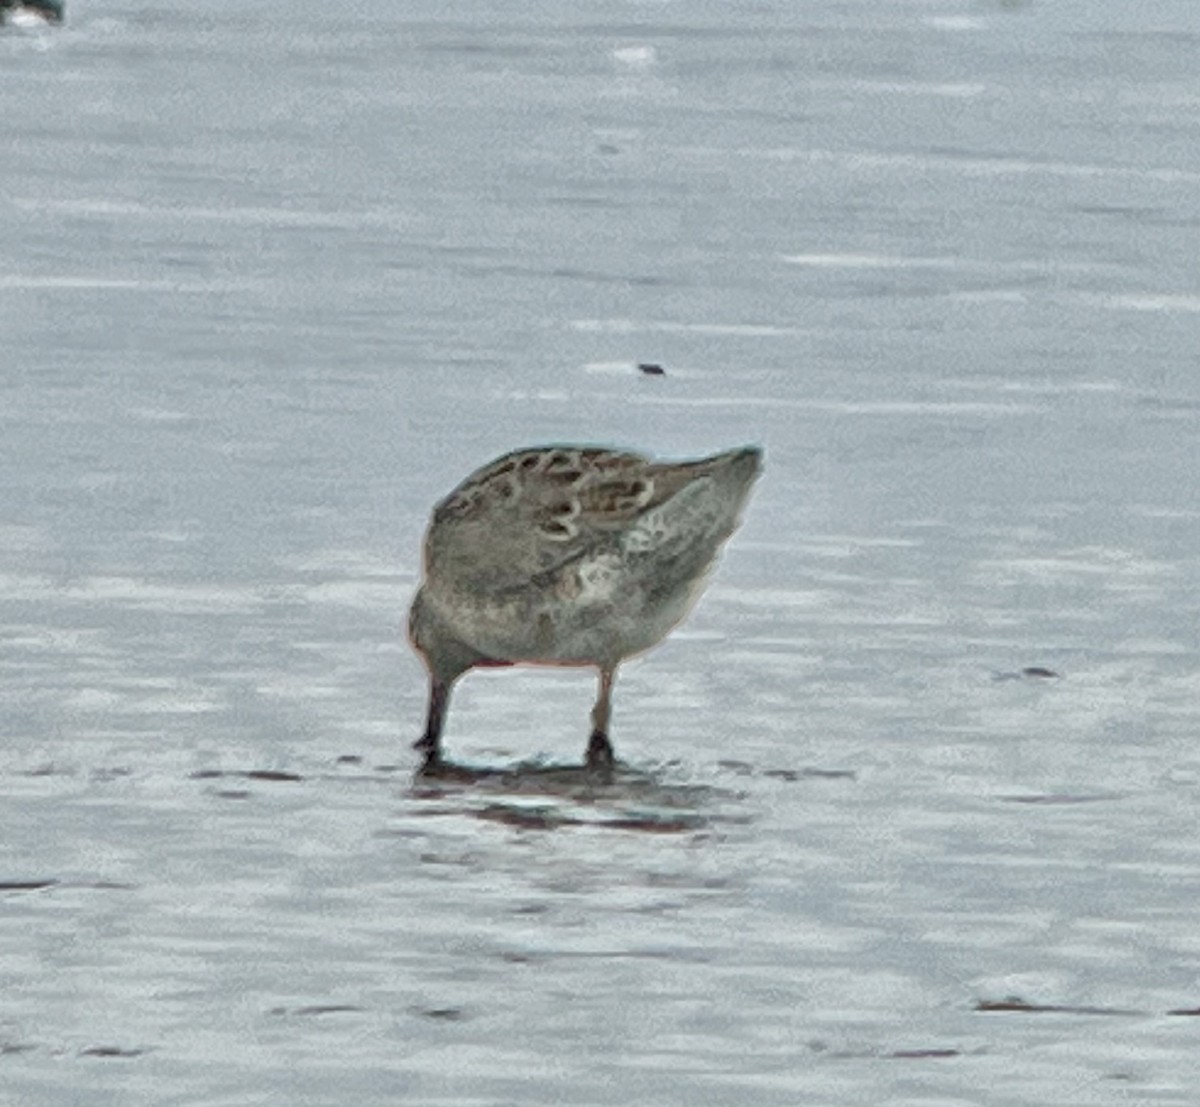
{"x":568,"y":555}
{"x":558,"y":488}
{"x":577,"y":555}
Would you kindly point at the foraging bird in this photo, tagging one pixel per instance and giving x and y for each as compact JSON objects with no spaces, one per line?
{"x":568,"y":555}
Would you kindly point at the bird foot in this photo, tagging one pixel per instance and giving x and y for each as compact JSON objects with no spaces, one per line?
{"x":431,"y":763}
{"x":600,"y":757}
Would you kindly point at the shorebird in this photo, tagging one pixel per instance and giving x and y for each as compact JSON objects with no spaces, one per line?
{"x":568,"y":555}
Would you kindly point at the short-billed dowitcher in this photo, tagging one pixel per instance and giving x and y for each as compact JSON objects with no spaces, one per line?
{"x":568,"y":555}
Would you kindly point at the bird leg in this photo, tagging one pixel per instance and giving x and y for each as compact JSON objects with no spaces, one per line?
{"x":600,"y":751}
{"x":431,"y":740}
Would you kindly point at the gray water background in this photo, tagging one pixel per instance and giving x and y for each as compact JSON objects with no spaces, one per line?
{"x":274,"y":277}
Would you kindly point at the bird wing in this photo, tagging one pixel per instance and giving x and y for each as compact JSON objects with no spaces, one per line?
{"x":532,"y":515}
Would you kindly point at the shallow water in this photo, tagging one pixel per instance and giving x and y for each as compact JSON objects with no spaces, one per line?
{"x":908,"y":809}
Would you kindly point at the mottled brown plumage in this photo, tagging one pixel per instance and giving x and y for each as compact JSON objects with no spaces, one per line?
{"x":568,"y":555}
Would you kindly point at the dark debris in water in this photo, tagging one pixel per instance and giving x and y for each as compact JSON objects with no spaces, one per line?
{"x":102,"y":774}
{"x":110,"y":1051}
{"x":651,"y":369}
{"x":441,"y":1014}
{"x":52,"y":882}
{"x":1030,"y":672}
{"x":1019,"y":1005}
{"x":1015,"y":1004}
{"x":49,"y":770}
{"x":1062,"y":799}
{"x":316,"y":1009}
{"x":274,"y":775}
{"x":923,"y":1054}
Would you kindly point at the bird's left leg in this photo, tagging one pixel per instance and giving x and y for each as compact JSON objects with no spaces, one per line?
{"x":600,"y":751}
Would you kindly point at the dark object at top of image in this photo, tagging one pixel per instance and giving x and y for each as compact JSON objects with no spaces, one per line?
{"x":49,"y":11}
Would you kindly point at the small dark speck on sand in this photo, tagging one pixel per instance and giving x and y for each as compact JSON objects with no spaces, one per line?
{"x":651,"y":369}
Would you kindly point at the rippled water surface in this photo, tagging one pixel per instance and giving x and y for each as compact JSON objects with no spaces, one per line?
{"x":908,"y":812}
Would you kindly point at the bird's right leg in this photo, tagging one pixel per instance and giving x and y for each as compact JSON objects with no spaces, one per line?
{"x":431,"y":741}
